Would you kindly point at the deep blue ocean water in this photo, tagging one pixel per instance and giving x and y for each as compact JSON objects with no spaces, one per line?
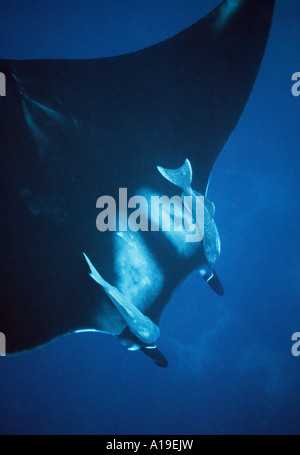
{"x":231,"y":370}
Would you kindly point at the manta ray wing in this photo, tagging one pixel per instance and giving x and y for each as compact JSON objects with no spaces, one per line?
{"x":73,"y":130}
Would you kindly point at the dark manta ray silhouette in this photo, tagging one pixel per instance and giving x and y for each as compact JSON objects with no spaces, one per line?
{"x":73,"y":131}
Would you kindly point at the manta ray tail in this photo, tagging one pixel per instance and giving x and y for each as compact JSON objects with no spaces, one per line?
{"x":181,"y":177}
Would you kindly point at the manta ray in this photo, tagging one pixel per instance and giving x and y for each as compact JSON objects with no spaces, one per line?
{"x":152,"y":122}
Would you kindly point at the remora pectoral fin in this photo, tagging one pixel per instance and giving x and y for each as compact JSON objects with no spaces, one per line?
{"x":140,"y":325}
{"x":210,"y":206}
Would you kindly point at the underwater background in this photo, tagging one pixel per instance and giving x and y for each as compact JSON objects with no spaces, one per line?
{"x":231,"y":369}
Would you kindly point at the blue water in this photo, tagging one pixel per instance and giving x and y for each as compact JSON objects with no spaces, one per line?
{"x":231,"y":370}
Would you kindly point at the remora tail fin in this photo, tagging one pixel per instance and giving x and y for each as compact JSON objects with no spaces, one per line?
{"x":181,"y":177}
